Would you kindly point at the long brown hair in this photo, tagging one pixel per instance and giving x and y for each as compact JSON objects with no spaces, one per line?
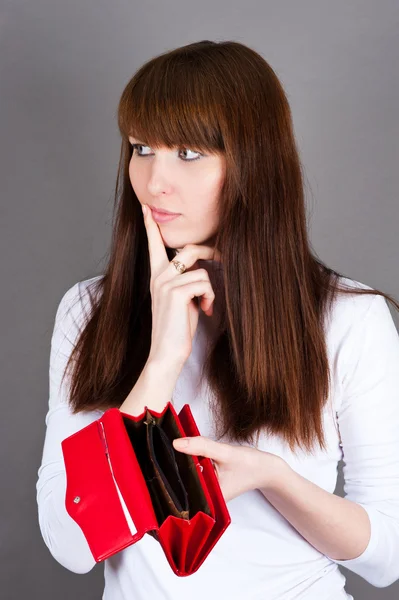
{"x":268,"y":365}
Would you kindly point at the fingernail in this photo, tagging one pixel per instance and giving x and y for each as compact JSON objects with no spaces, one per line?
{"x":144,"y":209}
{"x":182,"y":442}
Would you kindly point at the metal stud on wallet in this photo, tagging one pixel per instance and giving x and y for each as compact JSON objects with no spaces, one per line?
{"x":125,"y":479}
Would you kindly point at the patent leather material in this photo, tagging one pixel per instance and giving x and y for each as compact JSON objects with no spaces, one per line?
{"x":125,"y":479}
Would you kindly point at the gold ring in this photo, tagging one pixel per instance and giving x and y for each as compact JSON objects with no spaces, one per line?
{"x":180,"y":267}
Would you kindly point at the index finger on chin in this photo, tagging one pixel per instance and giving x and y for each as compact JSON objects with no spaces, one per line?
{"x":158,"y":257}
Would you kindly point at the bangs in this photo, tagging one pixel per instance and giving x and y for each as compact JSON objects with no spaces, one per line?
{"x":171,"y":102}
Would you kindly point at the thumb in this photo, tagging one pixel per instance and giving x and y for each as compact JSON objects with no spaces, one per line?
{"x":200,"y":446}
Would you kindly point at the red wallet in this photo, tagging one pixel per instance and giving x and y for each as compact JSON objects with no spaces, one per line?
{"x":125,"y":479}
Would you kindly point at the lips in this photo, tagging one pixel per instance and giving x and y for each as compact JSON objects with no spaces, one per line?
{"x":162,"y":211}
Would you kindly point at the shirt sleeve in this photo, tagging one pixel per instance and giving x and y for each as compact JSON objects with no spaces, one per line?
{"x":368,"y":420}
{"x":61,"y":534}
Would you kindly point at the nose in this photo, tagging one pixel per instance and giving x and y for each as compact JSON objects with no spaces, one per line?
{"x":160,"y":177}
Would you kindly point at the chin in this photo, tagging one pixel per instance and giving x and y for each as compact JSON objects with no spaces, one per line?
{"x":178,"y":244}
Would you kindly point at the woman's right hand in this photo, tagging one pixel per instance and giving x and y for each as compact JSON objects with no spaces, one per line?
{"x":175,"y":309}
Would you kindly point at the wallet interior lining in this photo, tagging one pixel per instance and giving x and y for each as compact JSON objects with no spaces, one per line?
{"x":185,"y":462}
{"x":188,"y":470}
{"x":166,"y":468}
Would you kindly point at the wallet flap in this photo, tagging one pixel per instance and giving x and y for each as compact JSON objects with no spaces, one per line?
{"x":127,"y":471}
{"x":91,"y":498}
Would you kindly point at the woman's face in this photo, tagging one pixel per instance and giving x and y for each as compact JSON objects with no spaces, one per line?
{"x":181,"y":181}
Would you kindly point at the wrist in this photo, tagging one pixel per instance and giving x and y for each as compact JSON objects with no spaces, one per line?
{"x":156,"y":367}
{"x":273,"y":471}
{"x":153,"y":389}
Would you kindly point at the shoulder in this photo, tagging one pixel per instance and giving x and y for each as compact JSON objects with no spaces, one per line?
{"x":363,"y":341}
{"x":76,"y":302}
{"x":350,"y":310}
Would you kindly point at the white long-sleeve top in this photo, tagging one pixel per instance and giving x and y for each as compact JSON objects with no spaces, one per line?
{"x":260,"y":555}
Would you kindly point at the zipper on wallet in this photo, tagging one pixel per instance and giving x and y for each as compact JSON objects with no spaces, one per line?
{"x":150,"y":420}
{"x":129,"y":520}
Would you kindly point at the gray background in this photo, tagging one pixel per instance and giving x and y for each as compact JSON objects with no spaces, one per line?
{"x":63,"y":67}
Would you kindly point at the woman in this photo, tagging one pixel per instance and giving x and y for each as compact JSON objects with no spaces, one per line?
{"x":288,"y":366}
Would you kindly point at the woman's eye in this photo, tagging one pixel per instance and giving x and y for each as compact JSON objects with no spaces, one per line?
{"x":194,"y":151}
{"x":138,"y":153}
{"x":136,"y":147}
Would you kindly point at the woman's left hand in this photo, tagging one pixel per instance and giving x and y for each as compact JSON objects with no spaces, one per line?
{"x":238,"y":468}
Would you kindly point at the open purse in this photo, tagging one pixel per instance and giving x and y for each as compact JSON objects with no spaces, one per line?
{"x":125,"y":479}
